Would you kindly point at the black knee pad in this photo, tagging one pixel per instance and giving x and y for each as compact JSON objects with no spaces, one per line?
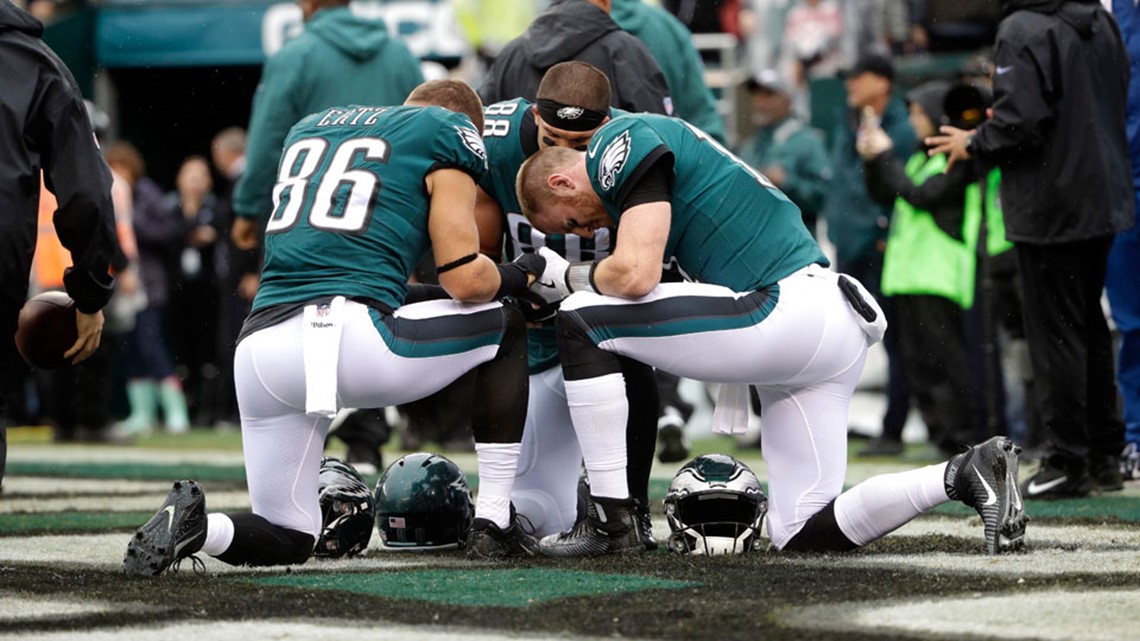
{"x":821,"y":533}
{"x":259,"y":542}
{"x":580,"y":357}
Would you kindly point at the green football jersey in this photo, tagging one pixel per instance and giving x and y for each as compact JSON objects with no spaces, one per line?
{"x":511,"y":136}
{"x":730,"y":225}
{"x":350,"y":213}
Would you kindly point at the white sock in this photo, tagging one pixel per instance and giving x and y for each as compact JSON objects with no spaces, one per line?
{"x":219,"y":534}
{"x":599,"y":410}
{"x":497,"y":465}
{"x":886,"y":502}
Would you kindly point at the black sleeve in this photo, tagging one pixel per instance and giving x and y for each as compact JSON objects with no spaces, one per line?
{"x":651,"y":182}
{"x":74,"y":170}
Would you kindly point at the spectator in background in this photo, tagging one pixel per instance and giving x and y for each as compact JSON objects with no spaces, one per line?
{"x":708,"y":16}
{"x":672,"y":47}
{"x":812,"y":36}
{"x":45,"y":132}
{"x":1123,"y":275}
{"x":765,"y":38}
{"x":785,"y":148}
{"x":1058,"y":133}
{"x":240,"y":269}
{"x":858,"y":225}
{"x":340,"y":59}
{"x":928,"y":267}
{"x":195,"y":297}
{"x":876,"y":26}
{"x":579,"y":30}
{"x":152,"y":380}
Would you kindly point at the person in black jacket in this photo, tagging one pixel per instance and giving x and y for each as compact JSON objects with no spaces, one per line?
{"x":44,"y":126}
{"x":1058,"y":134}
{"x":579,"y":30}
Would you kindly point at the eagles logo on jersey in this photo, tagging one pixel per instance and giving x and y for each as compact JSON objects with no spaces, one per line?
{"x":473,"y":141}
{"x":570,"y":113}
{"x":613,"y":159}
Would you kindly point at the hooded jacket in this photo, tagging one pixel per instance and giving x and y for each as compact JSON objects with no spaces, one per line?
{"x":672,"y":47}
{"x":340,"y":59}
{"x":1058,"y":127}
{"x":44,"y":126}
{"x":578,"y":30}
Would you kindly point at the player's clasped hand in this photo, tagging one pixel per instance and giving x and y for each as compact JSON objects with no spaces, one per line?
{"x":551,"y":286}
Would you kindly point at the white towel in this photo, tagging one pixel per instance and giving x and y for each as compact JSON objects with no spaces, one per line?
{"x":732,"y":409}
{"x":321,"y":344}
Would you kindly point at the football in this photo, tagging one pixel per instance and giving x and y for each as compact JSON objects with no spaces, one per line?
{"x":46,"y":329}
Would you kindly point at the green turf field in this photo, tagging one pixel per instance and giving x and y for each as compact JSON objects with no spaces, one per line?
{"x":67,"y":512}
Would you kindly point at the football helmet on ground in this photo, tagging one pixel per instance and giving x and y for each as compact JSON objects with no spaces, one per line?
{"x":715,"y":505}
{"x":423,"y":502}
{"x":347,"y":510}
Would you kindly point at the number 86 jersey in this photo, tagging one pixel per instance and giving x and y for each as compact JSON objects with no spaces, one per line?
{"x":350,"y":209}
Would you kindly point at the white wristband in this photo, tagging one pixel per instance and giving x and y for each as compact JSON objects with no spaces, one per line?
{"x":580,"y":277}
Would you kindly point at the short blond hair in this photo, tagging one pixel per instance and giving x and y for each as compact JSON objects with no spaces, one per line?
{"x":531,"y":181}
{"x":451,"y":94}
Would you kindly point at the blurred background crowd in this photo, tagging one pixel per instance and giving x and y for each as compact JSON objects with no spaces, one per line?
{"x":797,"y":88}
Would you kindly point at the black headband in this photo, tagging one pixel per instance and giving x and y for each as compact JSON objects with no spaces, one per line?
{"x":569,"y":117}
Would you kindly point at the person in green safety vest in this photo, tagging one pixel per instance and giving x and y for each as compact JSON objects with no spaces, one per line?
{"x":929,"y":264}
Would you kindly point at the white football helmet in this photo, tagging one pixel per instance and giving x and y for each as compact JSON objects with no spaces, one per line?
{"x":715,"y":505}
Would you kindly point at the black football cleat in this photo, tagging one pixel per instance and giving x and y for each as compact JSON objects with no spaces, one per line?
{"x":985,"y":478}
{"x":645,"y":525}
{"x":175,"y":532}
{"x":611,"y":526}
{"x":485,"y":540}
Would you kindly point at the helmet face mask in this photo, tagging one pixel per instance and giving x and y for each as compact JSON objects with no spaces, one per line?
{"x":423,"y":502}
{"x":715,"y":505}
{"x":347,"y":510}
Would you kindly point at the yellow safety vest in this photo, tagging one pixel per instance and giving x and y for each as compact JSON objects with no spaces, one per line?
{"x":920,"y":258}
{"x":996,"y":242}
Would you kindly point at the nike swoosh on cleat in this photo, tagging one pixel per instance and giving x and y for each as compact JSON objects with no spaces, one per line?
{"x":178,"y":546}
{"x":1001,"y":71}
{"x":169,"y":509}
{"x":991,"y":498}
{"x":549,"y":284}
{"x":1034,"y":488}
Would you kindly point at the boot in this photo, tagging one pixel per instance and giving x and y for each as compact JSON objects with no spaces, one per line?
{"x":173,"y":402}
{"x":143,"y":396}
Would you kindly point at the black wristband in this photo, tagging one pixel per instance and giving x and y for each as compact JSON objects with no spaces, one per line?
{"x":512,"y":280}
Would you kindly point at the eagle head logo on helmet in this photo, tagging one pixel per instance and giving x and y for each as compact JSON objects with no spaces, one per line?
{"x":423,"y":502}
{"x":347,"y":510}
{"x":715,"y":505}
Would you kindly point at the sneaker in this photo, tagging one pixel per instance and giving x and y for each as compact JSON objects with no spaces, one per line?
{"x":485,"y":540}
{"x":985,"y":478}
{"x":1105,"y":473}
{"x":175,"y":532}
{"x":610,"y":527}
{"x":882,"y":447}
{"x":672,"y":443}
{"x":1055,"y":483}
{"x":1130,"y":462}
{"x":644,"y":524}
